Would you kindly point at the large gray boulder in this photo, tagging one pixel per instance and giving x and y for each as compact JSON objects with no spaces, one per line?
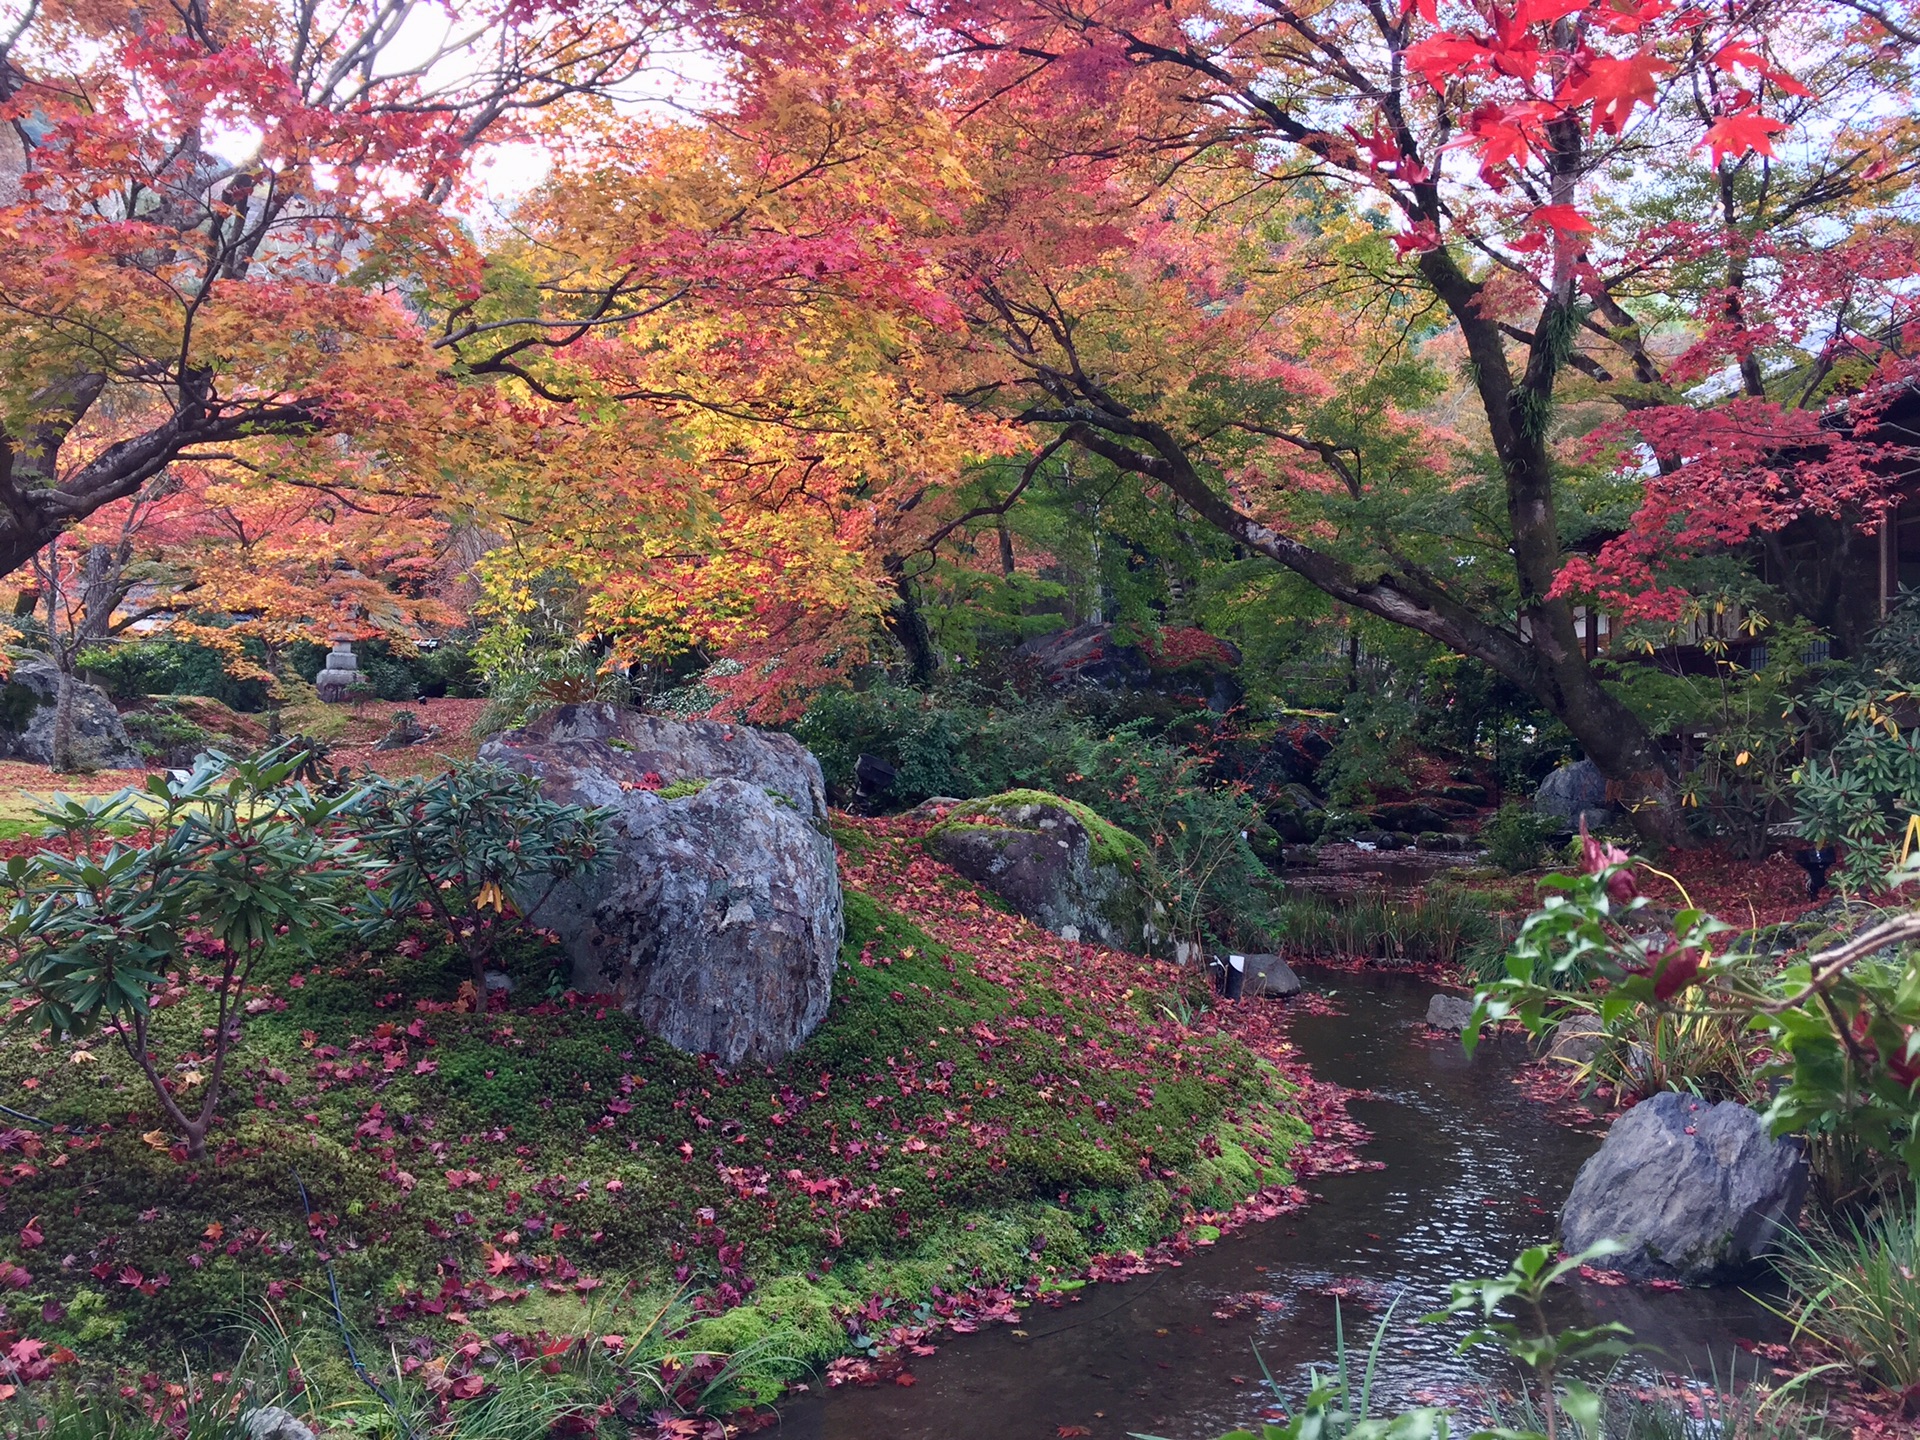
{"x":1576,"y":1041}
{"x":1697,"y":1192}
{"x":27,"y":704}
{"x":1269,"y":978}
{"x":1571,"y":792}
{"x":719,"y":923}
{"x":1055,"y":862}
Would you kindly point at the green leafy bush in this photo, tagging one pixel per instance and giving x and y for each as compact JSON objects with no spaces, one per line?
{"x":1516,"y":836}
{"x":388,"y":678}
{"x":524,"y":683}
{"x":1841,"y":1025}
{"x":1863,"y":790}
{"x":1205,"y":873}
{"x":1374,"y":744}
{"x":229,"y":864}
{"x":162,"y":730}
{"x":478,"y":845}
{"x":130,"y":669}
{"x":953,"y":744}
{"x":1735,"y":730}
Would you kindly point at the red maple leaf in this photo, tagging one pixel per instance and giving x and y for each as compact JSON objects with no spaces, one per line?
{"x":1440,"y":57}
{"x":1615,"y":86}
{"x":1545,"y":12}
{"x":1564,"y":219}
{"x":1737,"y":134}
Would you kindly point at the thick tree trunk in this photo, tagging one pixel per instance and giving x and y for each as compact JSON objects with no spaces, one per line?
{"x":1543,"y":655}
{"x":1518,"y":411}
{"x":102,"y":588}
{"x":1639,"y":772}
{"x":908,"y":626}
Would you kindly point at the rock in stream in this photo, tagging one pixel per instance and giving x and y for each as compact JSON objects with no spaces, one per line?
{"x":1696,"y":1192}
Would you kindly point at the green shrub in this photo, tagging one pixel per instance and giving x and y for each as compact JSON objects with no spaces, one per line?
{"x":478,"y":845}
{"x":159,"y":731}
{"x":388,"y":678}
{"x":1862,"y":791}
{"x":130,"y":669}
{"x":1374,"y":744}
{"x":526,"y":683}
{"x":1204,"y":871}
{"x":951,"y":745}
{"x":233,"y":863}
{"x":1515,"y":836}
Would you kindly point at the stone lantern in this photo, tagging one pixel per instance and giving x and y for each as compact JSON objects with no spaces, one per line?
{"x":342,"y":672}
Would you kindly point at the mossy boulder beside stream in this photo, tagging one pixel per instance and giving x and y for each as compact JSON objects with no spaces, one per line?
{"x":1055,"y":861}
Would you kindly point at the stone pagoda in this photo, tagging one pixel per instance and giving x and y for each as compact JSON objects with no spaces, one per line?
{"x":342,"y":672}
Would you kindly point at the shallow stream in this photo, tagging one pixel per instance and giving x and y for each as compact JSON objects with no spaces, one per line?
{"x":1474,"y":1171}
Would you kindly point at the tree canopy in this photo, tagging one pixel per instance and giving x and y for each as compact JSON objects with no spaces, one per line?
{"x":1470,"y":317}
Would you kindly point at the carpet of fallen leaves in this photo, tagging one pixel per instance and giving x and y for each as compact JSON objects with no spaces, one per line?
{"x":988,"y":1117}
{"x":448,"y":723}
{"x":1741,"y":892}
{"x":22,"y":776}
{"x":886,"y":863}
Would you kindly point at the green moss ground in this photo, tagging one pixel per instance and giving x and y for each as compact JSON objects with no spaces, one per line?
{"x":510,"y":1171}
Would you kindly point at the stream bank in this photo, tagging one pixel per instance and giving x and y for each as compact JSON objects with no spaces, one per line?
{"x":1473,"y":1171}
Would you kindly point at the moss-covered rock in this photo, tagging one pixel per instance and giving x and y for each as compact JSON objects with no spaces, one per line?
{"x":1110,"y":845}
{"x":1055,"y":861}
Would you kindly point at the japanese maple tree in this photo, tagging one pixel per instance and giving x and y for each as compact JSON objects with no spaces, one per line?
{"x":265,"y":560}
{"x":1688,"y":223}
{"x":223,"y":223}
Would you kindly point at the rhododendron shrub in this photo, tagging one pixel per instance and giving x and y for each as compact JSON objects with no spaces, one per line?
{"x":231,"y":863}
{"x":477,"y":848}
